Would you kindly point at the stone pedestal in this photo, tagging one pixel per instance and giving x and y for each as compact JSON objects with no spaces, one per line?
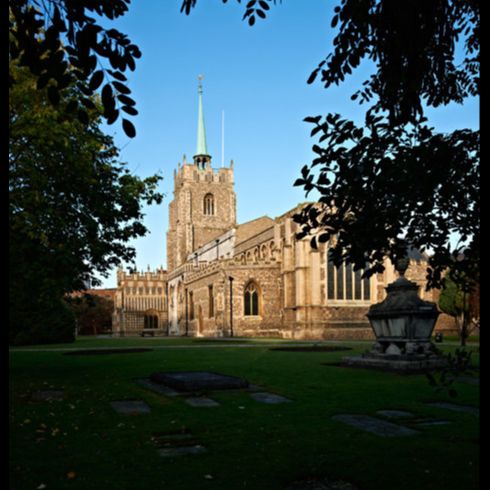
{"x":402,"y":324}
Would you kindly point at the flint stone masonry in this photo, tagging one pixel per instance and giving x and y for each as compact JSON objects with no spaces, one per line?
{"x":374,"y":425}
{"x":269,"y":398}
{"x":192,"y":381}
{"x":130,"y":407}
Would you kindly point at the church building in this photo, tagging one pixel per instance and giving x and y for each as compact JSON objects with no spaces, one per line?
{"x":250,"y":279}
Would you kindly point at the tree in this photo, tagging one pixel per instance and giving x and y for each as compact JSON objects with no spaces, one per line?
{"x":73,"y":206}
{"x":396,"y":183}
{"x":62,"y":45}
{"x":461,"y":303}
{"x":93,"y":313}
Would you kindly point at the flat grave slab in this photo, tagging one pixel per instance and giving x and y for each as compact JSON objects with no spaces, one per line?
{"x":269,"y":398}
{"x":456,"y":408}
{"x":201,"y":401}
{"x":170,"y":452}
{"x":432,"y":423}
{"x":192,"y":381}
{"x":130,"y":407}
{"x":375,"y":426}
{"x":47,"y":395}
{"x":394,"y":413}
{"x":469,"y":380}
{"x":320,"y":484}
{"x":157,"y":388}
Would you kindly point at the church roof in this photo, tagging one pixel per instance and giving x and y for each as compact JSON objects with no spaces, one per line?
{"x":252,"y":228}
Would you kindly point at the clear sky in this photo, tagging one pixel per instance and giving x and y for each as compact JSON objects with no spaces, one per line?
{"x":257,"y":76}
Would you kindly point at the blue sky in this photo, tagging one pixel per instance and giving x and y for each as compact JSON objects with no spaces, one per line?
{"x":257,"y":76}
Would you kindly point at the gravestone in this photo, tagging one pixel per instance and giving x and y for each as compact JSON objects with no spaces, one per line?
{"x":130,"y":407}
{"x":269,"y":398}
{"x":374,"y":425}
{"x":47,"y":395}
{"x":192,"y":381}
{"x":201,"y":401}
{"x":394,"y":413}
{"x":456,"y":408}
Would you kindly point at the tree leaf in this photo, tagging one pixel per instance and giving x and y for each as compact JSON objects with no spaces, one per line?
{"x":129,"y":128}
{"x":96,"y":80}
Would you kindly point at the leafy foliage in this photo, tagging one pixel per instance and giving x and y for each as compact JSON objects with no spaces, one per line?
{"x":62,"y":44}
{"x":457,"y":365}
{"x":412,"y":44}
{"x":384,"y":189}
{"x":461,"y":299}
{"x":73,"y":207}
{"x":253,"y":9}
{"x":38,"y":319}
{"x":93,"y":313}
{"x":396,"y":183}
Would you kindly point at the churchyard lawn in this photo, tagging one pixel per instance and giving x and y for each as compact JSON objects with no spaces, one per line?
{"x":89,"y":421}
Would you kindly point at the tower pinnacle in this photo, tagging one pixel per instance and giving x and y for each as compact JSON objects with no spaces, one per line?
{"x":201,"y":157}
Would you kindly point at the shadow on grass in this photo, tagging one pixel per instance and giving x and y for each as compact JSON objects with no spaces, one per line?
{"x":313,"y":348}
{"x":105,"y":352}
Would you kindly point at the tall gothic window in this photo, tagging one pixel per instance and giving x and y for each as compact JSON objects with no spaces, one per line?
{"x":345,"y":284}
{"x":209,"y":204}
{"x":251,"y":299}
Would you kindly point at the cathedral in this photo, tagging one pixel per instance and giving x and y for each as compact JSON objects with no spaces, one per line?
{"x":252,"y":279}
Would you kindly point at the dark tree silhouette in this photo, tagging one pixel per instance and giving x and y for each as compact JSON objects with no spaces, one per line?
{"x":62,"y":44}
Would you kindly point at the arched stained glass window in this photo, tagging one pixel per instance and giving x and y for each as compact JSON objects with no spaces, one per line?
{"x":208,"y":204}
{"x":251,"y":300}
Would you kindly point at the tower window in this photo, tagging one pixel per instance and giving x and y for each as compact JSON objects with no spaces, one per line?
{"x":208,"y":204}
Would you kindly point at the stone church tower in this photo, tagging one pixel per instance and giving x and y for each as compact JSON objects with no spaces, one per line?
{"x":204,"y":202}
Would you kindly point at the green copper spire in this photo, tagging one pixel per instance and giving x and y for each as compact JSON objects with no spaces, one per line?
{"x":202,"y":148}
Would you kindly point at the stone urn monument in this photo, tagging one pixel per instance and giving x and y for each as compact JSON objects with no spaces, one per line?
{"x":403,"y":325}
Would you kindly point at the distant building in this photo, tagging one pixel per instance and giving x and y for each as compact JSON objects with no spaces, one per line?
{"x":250,"y":279}
{"x":108,"y":293}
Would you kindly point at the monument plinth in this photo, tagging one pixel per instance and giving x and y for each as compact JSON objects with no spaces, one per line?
{"x":403,"y":325}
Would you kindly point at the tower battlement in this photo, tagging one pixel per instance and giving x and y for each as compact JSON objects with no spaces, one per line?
{"x":191,"y":172}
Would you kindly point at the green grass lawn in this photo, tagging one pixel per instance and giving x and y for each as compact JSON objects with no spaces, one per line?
{"x":81,"y":443}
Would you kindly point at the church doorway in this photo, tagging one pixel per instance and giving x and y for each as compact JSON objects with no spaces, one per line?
{"x":150,"y":321}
